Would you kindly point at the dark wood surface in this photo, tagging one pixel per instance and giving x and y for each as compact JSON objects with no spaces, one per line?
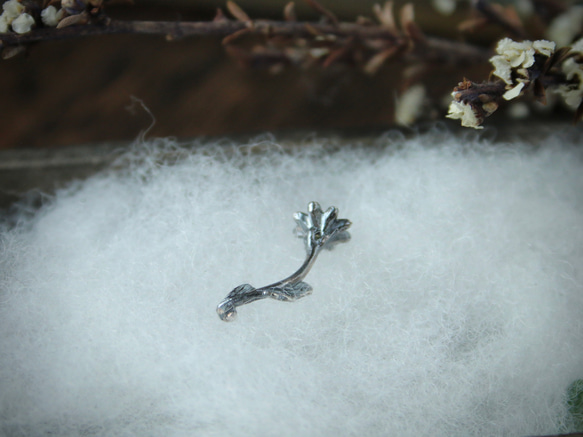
{"x":77,"y":92}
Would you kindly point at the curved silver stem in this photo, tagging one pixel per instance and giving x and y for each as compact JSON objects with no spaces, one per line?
{"x":319,"y":230}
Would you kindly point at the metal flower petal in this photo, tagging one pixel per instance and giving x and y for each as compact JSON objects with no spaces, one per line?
{"x":320,"y":228}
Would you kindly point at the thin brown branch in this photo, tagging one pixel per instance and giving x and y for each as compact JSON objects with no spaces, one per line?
{"x":432,"y":49}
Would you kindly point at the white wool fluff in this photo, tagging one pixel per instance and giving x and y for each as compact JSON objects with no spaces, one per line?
{"x":456,"y":308}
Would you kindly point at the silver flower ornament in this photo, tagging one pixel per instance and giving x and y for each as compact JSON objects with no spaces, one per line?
{"x":319,"y":230}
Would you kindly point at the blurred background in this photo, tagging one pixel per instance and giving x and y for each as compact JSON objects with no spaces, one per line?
{"x":80,"y":91}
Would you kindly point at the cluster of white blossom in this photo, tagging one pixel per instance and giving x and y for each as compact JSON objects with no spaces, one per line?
{"x":51,"y":16}
{"x":572,"y":68}
{"x":512,"y":64}
{"x":15,"y":17}
{"x":518,"y":57}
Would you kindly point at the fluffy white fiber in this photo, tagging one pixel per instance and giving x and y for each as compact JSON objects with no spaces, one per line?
{"x":456,"y":308}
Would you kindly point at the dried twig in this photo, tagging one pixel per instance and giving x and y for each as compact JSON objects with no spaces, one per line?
{"x":434,"y":50}
{"x":522,"y":68}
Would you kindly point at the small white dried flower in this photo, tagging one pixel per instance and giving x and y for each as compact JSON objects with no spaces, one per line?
{"x":23,"y":23}
{"x":13,"y":8}
{"x":408,"y":106}
{"x":51,"y":16}
{"x":566,"y":26}
{"x":518,"y":56}
{"x":514,"y":92}
{"x":444,"y":7}
{"x":544,"y":47}
{"x":463,"y":112}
